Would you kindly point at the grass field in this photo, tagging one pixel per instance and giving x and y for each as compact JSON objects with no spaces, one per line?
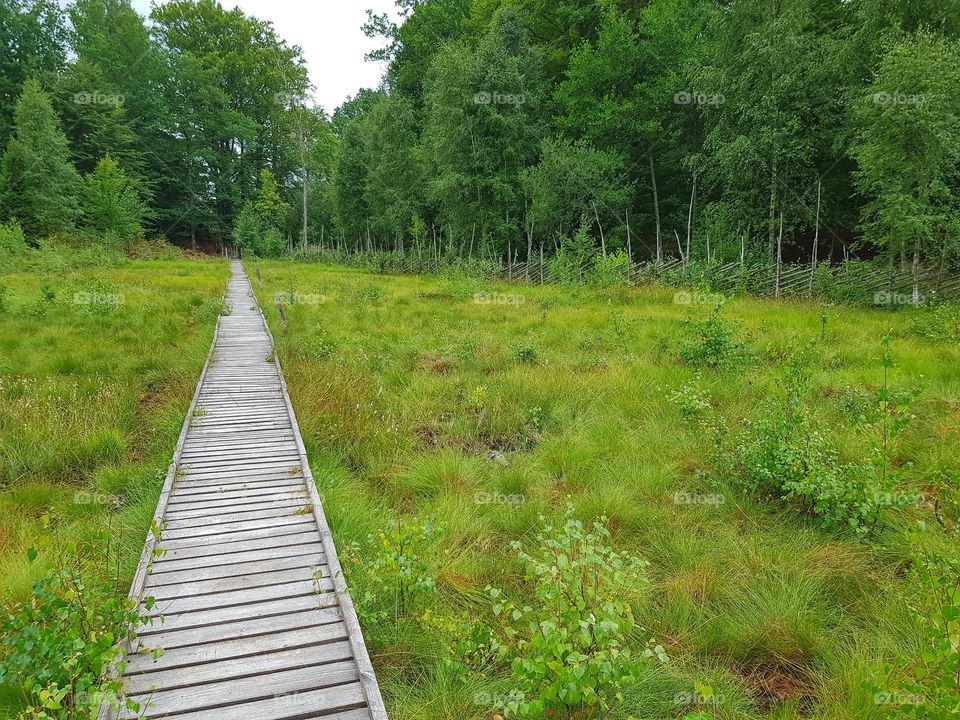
{"x":97,"y":368}
{"x":484,"y":406}
{"x":444,"y":416}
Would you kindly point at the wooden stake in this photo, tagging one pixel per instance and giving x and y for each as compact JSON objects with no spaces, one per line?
{"x":283,"y":318}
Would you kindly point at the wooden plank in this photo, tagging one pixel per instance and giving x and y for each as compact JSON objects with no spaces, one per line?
{"x":237,"y":517}
{"x":220,"y":514}
{"x":199,"y":655}
{"x":218,"y":616}
{"x":163,"y":565}
{"x":284,"y":659}
{"x":305,"y":524}
{"x":203,"y":531}
{"x":181,"y":603}
{"x":342,"y":702}
{"x":233,"y":548}
{"x":213,"y":586}
{"x":248,"y":627}
{"x":292,"y":560}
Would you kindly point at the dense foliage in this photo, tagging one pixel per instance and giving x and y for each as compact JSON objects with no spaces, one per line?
{"x":694,"y":128}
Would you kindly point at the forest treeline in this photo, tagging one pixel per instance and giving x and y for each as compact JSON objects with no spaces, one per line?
{"x":707,"y":129}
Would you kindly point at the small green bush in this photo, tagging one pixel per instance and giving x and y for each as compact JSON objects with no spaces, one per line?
{"x":394,"y":570}
{"x":59,"y":647}
{"x":711,"y":340}
{"x":567,"y":650}
{"x":12,"y":240}
{"x":787,"y":453}
{"x":928,"y":685}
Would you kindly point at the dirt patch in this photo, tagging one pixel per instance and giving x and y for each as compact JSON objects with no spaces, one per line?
{"x":436,"y":364}
{"x":772,"y":686}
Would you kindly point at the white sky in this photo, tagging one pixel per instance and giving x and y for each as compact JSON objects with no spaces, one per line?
{"x":328,"y":32}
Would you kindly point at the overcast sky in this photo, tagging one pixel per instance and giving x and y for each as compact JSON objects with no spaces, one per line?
{"x":329,"y":33}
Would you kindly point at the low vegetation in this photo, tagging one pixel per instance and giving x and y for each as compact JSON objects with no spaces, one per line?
{"x":760,"y":474}
{"x":97,"y":368}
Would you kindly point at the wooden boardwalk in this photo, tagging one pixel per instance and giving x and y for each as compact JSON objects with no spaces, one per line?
{"x":256,"y":623}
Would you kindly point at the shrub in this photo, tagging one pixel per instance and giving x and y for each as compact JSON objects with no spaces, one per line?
{"x":711,"y":340}
{"x":524,"y":353}
{"x":400,"y":569}
{"x":928,"y":685}
{"x":12,"y":240}
{"x":568,"y":649}
{"x":112,"y":204}
{"x":59,"y":647}
{"x":940,"y":323}
{"x":786,"y":453}
{"x":690,"y":400}
{"x":609,"y":271}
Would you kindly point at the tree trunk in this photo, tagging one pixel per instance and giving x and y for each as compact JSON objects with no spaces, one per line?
{"x":779,"y":256}
{"x":772,"y":215}
{"x":816,"y":241}
{"x":603,"y":242}
{"x":916,"y":268}
{"x":626,"y":217}
{"x":656,"y":207}
{"x":693,"y":199}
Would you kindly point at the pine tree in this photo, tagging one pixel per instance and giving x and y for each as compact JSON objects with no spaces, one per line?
{"x":111,"y":204}
{"x":38,"y":185}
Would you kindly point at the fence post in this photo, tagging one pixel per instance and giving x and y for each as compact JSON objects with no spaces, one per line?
{"x":259,"y":280}
{"x":283,"y":318}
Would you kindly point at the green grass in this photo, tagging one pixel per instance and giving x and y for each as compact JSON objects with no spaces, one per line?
{"x":97,"y":368}
{"x":416,"y":400}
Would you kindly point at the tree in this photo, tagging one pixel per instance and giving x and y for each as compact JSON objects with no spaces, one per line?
{"x":112,"y":207}
{"x":571,"y":186}
{"x":33,"y":39}
{"x":907,"y":149}
{"x":394,"y":190}
{"x":484,"y":123}
{"x":257,"y":228}
{"x":767,"y":91}
{"x":94,"y":119}
{"x":38,"y":185}
{"x":350,"y":178}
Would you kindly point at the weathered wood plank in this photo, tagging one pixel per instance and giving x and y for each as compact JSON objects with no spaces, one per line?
{"x":199,"y":655}
{"x":247,"y":666}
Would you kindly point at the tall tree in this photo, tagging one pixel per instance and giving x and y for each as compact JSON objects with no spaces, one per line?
{"x":33,"y":42}
{"x":95,"y":120}
{"x":908,"y":149}
{"x":485,"y":110}
{"x":38,"y":184}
